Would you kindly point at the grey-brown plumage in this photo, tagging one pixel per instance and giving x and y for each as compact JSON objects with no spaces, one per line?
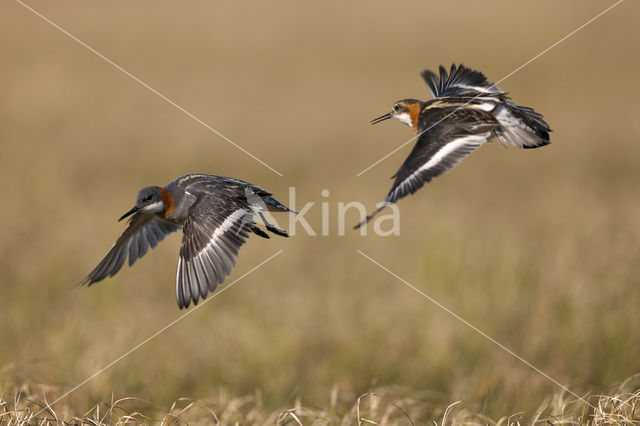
{"x":216,"y":214}
{"x":467,"y":111}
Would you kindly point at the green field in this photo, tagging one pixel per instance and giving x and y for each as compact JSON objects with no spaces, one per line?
{"x":539,"y":249}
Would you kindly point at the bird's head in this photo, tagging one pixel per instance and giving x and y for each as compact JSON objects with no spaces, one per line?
{"x":405,"y":110}
{"x":151,"y":199}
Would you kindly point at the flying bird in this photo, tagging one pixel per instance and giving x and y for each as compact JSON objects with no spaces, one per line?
{"x":467,"y":111}
{"x":216,"y":215}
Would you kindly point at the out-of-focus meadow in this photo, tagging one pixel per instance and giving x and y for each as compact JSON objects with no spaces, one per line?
{"x":540,"y":249}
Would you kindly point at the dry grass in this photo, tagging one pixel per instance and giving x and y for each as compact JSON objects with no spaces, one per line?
{"x":540,"y":249}
{"x":382,"y":406}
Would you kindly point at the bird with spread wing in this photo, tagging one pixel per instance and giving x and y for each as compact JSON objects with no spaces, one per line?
{"x":216,"y":215}
{"x":467,"y":111}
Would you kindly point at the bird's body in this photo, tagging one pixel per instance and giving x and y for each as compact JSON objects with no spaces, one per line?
{"x":467,"y":111}
{"x":216,"y":214}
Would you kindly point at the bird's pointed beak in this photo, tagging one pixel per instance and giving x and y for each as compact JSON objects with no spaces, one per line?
{"x":381,"y":118}
{"x":129,"y":213}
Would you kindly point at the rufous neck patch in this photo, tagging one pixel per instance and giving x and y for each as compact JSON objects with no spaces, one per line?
{"x":414,"y":112}
{"x":169,"y":205}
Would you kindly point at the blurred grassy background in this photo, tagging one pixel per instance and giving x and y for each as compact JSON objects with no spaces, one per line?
{"x":540,"y":249}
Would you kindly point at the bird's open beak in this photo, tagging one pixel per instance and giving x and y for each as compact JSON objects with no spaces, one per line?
{"x":381,"y":118}
{"x":129,"y":213}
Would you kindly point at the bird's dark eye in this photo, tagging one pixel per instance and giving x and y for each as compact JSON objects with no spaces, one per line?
{"x":396,"y":107}
{"x":147,"y":198}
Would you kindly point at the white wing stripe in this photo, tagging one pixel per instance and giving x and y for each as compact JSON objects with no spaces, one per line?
{"x":224,"y":227}
{"x":178,"y":281}
{"x":473,"y":140}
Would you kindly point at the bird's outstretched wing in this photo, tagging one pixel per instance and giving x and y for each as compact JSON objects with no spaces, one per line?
{"x":143,"y":231}
{"x":214,"y":230}
{"x":438,"y":150}
{"x":459,"y":82}
{"x":467,"y":112}
{"x":434,"y":154}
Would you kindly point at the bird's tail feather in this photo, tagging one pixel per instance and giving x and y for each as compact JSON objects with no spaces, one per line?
{"x":276,"y":230}
{"x":521,"y":126}
{"x":259,"y":232}
{"x":273,"y":204}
